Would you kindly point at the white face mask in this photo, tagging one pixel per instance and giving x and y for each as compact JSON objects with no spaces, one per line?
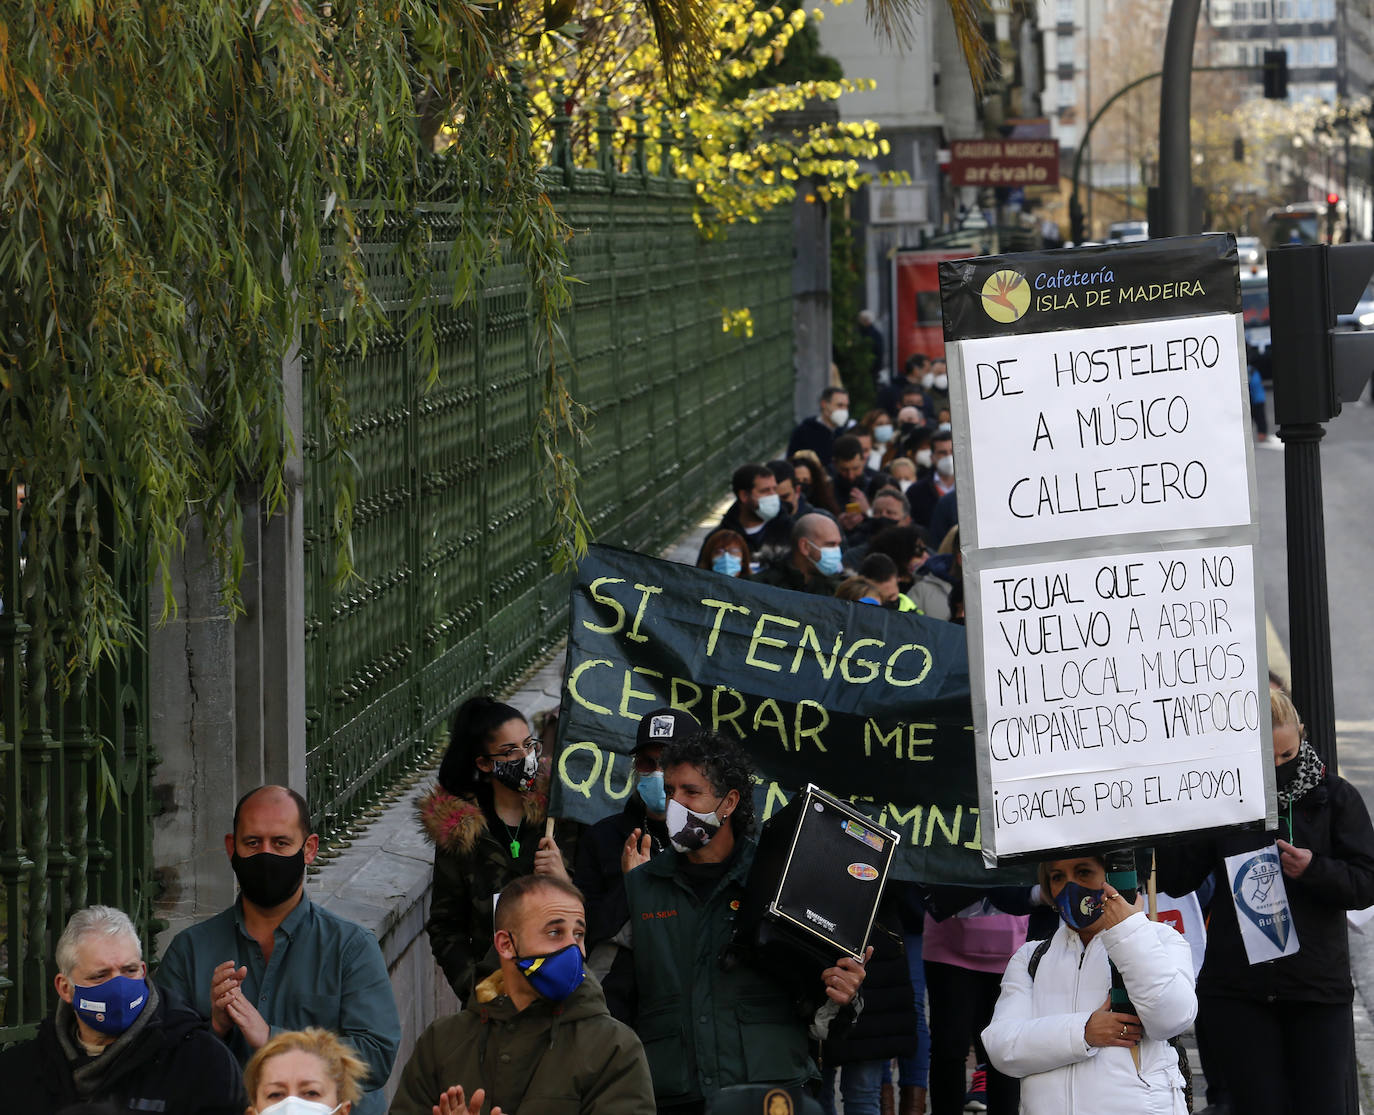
{"x":769,"y":506}
{"x":904,"y":484}
{"x":923,"y":458}
{"x":882,"y":434}
{"x":688,"y":830}
{"x":928,"y":380}
{"x":945,"y":427}
{"x":946,"y":467}
{"x":941,"y":382}
{"x":839,"y":416}
{"x":294,"y":1105}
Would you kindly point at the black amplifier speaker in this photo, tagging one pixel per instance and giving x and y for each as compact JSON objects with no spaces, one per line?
{"x":816,"y":881}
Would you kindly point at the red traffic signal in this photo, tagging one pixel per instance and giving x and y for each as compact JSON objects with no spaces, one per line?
{"x":1332,"y":199}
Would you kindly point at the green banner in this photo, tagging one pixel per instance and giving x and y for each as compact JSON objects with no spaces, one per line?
{"x":870,"y":704}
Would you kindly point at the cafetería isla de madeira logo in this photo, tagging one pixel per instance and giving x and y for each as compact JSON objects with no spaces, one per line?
{"x":1006,"y":296}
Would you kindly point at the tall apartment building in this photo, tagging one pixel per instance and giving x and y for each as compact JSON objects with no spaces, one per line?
{"x":1328,"y":43}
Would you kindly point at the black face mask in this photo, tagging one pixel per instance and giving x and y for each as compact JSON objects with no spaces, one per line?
{"x":1285,"y":774}
{"x":266,"y":879}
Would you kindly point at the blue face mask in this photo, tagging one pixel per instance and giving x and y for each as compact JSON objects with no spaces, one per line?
{"x":1078,"y":906}
{"x":556,"y":976}
{"x":652,"y":793}
{"x":830,"y":561}
{"x":727,"y":562}
{"x":110,"y":1007}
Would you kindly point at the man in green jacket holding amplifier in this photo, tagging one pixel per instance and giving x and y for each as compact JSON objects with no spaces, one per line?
{"x":707,"y":1018}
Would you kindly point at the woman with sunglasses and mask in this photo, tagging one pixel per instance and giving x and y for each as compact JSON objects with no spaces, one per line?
{"x":486,"y":820}
{"x":1054,"y":1026}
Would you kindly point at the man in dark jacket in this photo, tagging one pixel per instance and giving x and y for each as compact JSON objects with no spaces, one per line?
{"x":116,"y":1039}
{"x":794,"y":501}
{"x":757,"y":512}
{"x":925,"y":494}
{"x":598,"y":873}
{"x":818,"y":432}
{"x":814,"y":561}
{"x":536,"y":1036}
{"x":708,"y":1024}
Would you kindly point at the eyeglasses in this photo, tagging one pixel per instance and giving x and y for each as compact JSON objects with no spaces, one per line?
{"x":646,"y":764}
{"x":517,"y":750}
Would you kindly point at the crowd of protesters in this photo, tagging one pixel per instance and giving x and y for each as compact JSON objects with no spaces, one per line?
{"x":599,"y":969}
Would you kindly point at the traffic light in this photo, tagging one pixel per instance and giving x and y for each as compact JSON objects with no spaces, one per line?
{"x":1276,"y":75}
{"x":1316,"y":365}
{"x":1332,"y":200}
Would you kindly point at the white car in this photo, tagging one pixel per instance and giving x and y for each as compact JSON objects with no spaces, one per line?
{"x":1250,"y":249}
{"x":1127,"y":232}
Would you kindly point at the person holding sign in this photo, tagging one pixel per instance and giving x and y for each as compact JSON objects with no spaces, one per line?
{"x":1054,"y":1026}
{"x":486,"y":818}
{"x":1275,"y":992}
{"x":707,"y":1017}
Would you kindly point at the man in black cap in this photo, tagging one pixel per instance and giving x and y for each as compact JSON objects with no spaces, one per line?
{"x":598,"y":873}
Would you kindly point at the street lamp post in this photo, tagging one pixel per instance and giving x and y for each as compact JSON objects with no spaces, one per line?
{"x":1175,"y":110}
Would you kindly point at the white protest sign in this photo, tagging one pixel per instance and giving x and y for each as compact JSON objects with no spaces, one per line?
{"x":1122,"y":696}
{"x":1114,"y":430}
{"x":1108,"y":520}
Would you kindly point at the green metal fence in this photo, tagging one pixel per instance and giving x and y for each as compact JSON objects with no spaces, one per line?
{"x":74,"y":767}
{"x":454,"y":591}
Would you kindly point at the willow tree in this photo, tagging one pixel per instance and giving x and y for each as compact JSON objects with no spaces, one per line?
{"x":184,"y":188}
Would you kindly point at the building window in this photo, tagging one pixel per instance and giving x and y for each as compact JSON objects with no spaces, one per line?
{"x":1220,"y":12}
{"x":1066,"y":12}
{"x":1068,"y":92}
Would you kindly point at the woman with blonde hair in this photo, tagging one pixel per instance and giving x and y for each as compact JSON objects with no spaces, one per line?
{"x":1055,"y":1027}
{"x":1279,"y":1018}
{"x":304,"y":1072}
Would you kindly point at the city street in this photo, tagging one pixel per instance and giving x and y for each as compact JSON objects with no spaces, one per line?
{"x":1347,"y":465}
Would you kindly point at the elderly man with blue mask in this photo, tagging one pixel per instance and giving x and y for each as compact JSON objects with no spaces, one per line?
{"x":598,"y":871}
{"x":117,"y":1039}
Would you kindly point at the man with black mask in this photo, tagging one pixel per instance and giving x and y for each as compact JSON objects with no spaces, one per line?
{"x":275,"y":960}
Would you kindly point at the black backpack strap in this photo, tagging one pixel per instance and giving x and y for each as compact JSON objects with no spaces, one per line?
{"x":1033,"y":965}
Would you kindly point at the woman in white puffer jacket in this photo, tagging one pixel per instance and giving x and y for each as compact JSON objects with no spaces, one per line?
{"x":1056,"y":1030}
